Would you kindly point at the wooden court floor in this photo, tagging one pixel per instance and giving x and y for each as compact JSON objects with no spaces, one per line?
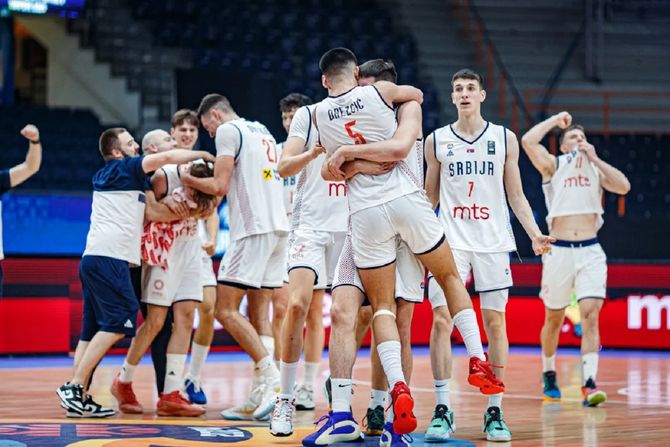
{"x":638,"y":385}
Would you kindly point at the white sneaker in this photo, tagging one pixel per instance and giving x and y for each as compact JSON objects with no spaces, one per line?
{"x":242,"y":412}
{"x":270,"y":391}
{"x":304,"y":398}
{"x":282,"y":418}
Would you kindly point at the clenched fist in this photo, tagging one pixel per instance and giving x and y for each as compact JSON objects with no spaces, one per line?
{"x":563,"y":119}
{"x":31,"y":132}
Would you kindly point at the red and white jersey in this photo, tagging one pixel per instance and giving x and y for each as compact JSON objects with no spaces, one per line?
{"x":289,"y":188}
{"x":256,"y":195}
{"x":473,"y":204}
{"x":319,"y":205}
{"x":362,"y":116}
{"x":574,"y":188}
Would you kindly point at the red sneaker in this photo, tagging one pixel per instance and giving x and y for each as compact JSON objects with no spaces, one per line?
{"x":124,"y":394}
{"x":404,"y":420}
{"x":174,"y":404}
{"x":483,"y":377}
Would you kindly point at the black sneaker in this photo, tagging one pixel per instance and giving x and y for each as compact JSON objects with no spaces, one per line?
{"x":72,"y":397}
{"x":92,"y":409}
{"x":375,"y":421}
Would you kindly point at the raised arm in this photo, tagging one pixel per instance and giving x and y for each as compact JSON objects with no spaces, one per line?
{"x":432,"y":185}
{"x":153,"y":162}
{"x":543,"y":161}
{"x":23,"y":171}
{"x":398,"y":94}
{"x":217,"y":185}
{"x":517,"y":199}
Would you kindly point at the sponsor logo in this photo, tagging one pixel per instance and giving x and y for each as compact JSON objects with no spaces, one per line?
{"x":491,"y":147}
{"x":159,"y":284}
{"x":128,"y":324}
{"x":472,"y":212}
{"x":337,"y":189}
{"x":450,"y":153}
{"x":267,"y":174}
{"x":450,"y":146}
{"x":470,"y":150}
{"x":577,"y":181}
{"x":654,"y":306}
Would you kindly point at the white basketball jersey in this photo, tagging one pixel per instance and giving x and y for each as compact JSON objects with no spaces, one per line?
{"x":319,"y":205}
{"x":173,"y":180}
{"x":289,"y":188}
{"x":362,"y":116}
{"x":574,"y":188}
{"x":473,"y":205}
{"x":256,"y":195}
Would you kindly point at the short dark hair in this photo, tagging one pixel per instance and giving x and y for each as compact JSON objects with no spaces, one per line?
{"x":568,"y":129}
{"x":336,"y":60}
{"x":109,"y":140}
{"x":380,"y":69}
{"x":187,"y":116}
{"x":293,"y":101}
{"x":213,"y":101}
{"x":467,"y":73}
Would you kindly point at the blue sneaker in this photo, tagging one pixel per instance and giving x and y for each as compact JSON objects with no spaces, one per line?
{"x":551,"y":392}
{"x":389,"y":438}
{"x":195,"y":393}
{"x":339,"y":427}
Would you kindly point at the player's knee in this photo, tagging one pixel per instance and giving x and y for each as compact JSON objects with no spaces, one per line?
{"x":364,"y":316}
{"x":315,"y":318}
{"x":442,"y":322}
{"x":341,"y":317}
{"x":154,"y":324}
{"x":297,"y":309}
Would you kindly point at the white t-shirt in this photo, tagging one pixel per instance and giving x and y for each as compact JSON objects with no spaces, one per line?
{"x":118,"y":210}
{"x":319,"y":205}
{"x":255,"y":199}
{"x":473,"y":203}
{"x":574,"y":188}
{"x":362,"y":116}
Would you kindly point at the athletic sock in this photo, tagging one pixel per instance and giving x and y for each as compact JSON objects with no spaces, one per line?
{"x":287,"y":373}
{"x":174,"y":372}
{"x":495,"y":400}
{"x":341,"y":390}
{"x":442,"y":392}
{"x":466,"y":323}
{"x":589,"y":366}
{"x":377,"y":399}
{"x":548,"y":363}
{"x":269,"y":344}
{"x":198,"y":357}
{"x":127,"y":372}
{"x":389,"y":355}
{"x":311,"y":369}
{"x":267,"y":367}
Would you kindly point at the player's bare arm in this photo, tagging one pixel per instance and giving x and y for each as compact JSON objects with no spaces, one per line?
{"x":517,"y":199}
{"x":217,"y":185}
{"x":398,"y":94}
{"x":295,"y":156}
{"x":162,"y":211}
{"x":432,"y":184}
{"x":23,"y":171}
{"x":611,"y":178}
{"x":543,"y":161}
{"x":153,"y":162}
{"x":212,"y":224}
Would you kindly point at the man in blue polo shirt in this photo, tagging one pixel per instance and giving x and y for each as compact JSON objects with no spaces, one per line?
{"x":113,"y":243}
{"x":12,"y":177}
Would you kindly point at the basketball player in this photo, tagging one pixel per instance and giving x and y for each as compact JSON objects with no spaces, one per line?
{"x":573,"y":184}
{"x":384,"y":206}
{"x":245,"y":171}
{"x":184,"y":130}
{"x":9,"y":178}
{"x":113,"y":242}
{"x":318,"y":229}
{"x":472,"y":166}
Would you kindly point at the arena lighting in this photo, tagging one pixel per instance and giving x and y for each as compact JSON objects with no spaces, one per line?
{"x":65,"y":8}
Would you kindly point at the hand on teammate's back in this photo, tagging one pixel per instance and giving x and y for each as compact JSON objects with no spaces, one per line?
{"x":317,"y":150}
{"x":542,"y":244}
{"x":31,"y":132}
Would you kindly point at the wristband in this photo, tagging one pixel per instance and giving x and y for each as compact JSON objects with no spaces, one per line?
{"x":34,"y":141}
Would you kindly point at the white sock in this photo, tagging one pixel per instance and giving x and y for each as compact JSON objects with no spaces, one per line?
{"x":198,"y":357}
{"x":466,"y":323}
{"x":268,"y":344}
{"x":311,"y":368}
{"x":548,"y":363}
{"x":589,"y":366}
{"x":287,"y":372}
{"x":377,"y":399}
{"x":389,"y":354}
{"x":341,"y":390}
{"x":495,"y":400}
{"x":276,"y":362}
{"x":127,"y":371}
{"x":174,"y":372}
{"x":442,"y":392}
{"x":266,"y":367}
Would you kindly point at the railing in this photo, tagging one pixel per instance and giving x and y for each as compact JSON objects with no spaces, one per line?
{"x":496,"y":74}
{"x":608,"y":112}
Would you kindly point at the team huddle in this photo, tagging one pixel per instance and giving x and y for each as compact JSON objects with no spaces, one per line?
{"x":342,"y":205}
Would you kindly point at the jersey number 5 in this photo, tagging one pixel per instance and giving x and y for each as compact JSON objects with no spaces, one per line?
{"x":353,"y":134}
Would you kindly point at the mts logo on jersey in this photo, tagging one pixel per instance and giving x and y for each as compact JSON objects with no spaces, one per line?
{"x":337,"y":189}
{"x":472,"y":212}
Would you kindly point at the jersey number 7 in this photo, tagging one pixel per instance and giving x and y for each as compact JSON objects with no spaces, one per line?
{"x":353,"y":134}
